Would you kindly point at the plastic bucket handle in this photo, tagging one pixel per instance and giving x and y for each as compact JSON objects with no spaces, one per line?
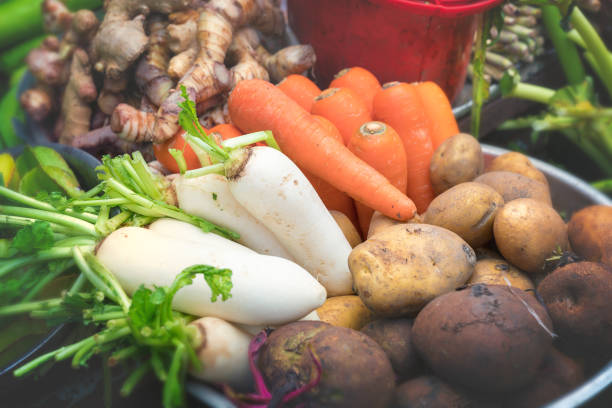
{"x":444,"y":8}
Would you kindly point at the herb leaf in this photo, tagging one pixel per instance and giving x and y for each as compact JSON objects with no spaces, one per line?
{"x":33,"y":237}
{"x":219,"y":280}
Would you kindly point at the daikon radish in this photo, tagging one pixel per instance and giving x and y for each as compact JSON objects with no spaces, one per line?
{"x":274,"y":190}
{"x":223,"y":353}
{"x":266,"y":289}
{"x":209,"y":197}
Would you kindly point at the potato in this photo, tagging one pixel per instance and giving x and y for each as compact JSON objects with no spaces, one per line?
{"x":457,"y":160}
{"x":397,"y":271}
{"x":513,"y":185}
{"x":557,"y":376}
{"x":393,"y":335}
{"x":517,"y":163}
{"x":578,"y":297}
{"x":483,"y":337}
{"x":527,"y":232}
{"x":379,"y":222}
{"x":345,"y":311}
{"x":467,"y":209}
{"x":355,"y":371}
{"x":430,"y":392}
{"x":348,"y":229}
{"x":590,"y":233}
{"x":493,"y":271}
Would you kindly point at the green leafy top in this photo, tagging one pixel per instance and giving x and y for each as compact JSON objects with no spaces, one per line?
{"x":33,"y":238}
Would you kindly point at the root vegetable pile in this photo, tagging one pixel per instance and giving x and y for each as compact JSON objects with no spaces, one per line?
{"x":125,"y":83}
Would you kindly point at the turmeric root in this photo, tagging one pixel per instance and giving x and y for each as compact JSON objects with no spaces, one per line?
{"x":151,"y":76}
{"x":294,"y":59}
{"x":79,"y":93}
{"x":182,"y":40}
{"x":121,"y":38}
{"x":38,"y":102}
{"x":242,"y":51}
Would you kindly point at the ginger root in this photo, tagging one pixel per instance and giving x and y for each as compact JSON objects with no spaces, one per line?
{"x":56,"y":16}
{"x":79,"y":93}
{"x":38,"y":102}
{"x":242,"y":51}
{"x":294,"y":59}
{"x":151,"y":76}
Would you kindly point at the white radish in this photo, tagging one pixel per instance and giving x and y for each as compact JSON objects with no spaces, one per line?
{"x":266,"y":289}
{"x":184,"y":231}
{"x":254,"y":330}
{"x":223,"y":352}
{"x":209,"y":197}
{"x":274,"y":190}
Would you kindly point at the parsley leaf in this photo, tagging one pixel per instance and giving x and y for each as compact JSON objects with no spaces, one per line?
{"x":33,"y":237}
{"x":219,"y":280}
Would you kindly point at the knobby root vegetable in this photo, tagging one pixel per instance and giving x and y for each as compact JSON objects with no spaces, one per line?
{"x":266,"y":289}
{"x":80,"y":92}
{"x":276,"y":192}
{"x":111,"y":93}
{"x":223,"y":353}
{"x":242,"y":53}
{"x":210,"y":197}
{"x":38,"y":102}
{"x":183,"y":42}
{"x":294,"y":59}
{"x":56,"y":16}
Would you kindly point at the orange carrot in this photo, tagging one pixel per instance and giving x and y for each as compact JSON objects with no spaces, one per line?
{"x":343,"y":108}
{"x":300,"y":89}
{"x":329,"y":127}
{"x":162,"y":154}
{"x":381,"y":147}
{"x":398,"y":105}
{"x":439,"y":110}
{"x":360,"y":80}
{"x":226,"y":130}
{"x":256,"y":105}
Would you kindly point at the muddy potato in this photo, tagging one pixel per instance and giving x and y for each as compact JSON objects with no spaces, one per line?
{"x":393,"y":335}
{"x":467,"y":209}
{"x":345,"y":311}
{"x":517,"y":163}
{"x":483,"y":337}
{"x":493,"y":271}
{"x":578,"y":297}
{"x":513,"y":185}
{"x":355,"y":371}
{"x":348,"y":229}
{"x":457,"y":160}
{"x":590,"y":233}
{"x":379,"y":222}
{"x":397,"y":271}
{"x":527,"y":232}
{"x":430,"y":392}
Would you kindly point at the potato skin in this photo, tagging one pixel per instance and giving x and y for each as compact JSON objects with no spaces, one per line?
{"x":457,"y":160}
{"x":527,"y":232}
{"x":590,"y":233}
{"x":467,"y":209}
{"x":431,"y":392}
{"x":355,"y":370}
{"x":578,"y":299}
{"x":493,"y":271}
{"x":513,"y":185}
{"x":348,"y":228}
{"x":393,"y":336}
{"x":379,"y":222}
{"x":517,"y":163}
{"x":482,"y":337}
{"x":397,"y":271}
{"x":345,"y":311}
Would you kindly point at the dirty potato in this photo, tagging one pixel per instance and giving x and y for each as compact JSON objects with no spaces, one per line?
{"x":348,"y":228}
{"x":397,"y":271}
{"x":467,"y":209}
{"x":345,"y":311}
{"x":513,"y":185}
{"x":457,"y":160}
{"x":517,"y":163}
{"x":590,"y":233}
{"x":495,"y":272}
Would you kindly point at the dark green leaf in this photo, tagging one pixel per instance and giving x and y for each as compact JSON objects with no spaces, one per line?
{"x":34,"y":237}
{"x":36,"y":181}
{"x":219,"y":280}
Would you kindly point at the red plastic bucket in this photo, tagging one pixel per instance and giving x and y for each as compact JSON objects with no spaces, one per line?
{"x":398,"y":40}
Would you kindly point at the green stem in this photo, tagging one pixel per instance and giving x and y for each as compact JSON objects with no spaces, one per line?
{"x":40,"y":256}
{"x":531,"y":92}
{"x":179,"y":157}
{"x":218,"y":168}
{"x":566,"y":51}
{"x":55,"y":217}
{"x":123,"y":299}
{"x":45,"y":280}
{"x":27,"y":307}
{"x":91,"y":276}
{"x":129,"y":194}
{"x":603,"y":185}
{"x":26,"y":368}
{"x":15,"y":221}
{"x":103,"y":317}
{"x":134,"y":378}
{"x":98,"y":339}
{"x":595,"y":46}
{"x":245,"y":140}
{"x":100,"y":202}
{"x":197,"y":143}
{"x":122,"y":354}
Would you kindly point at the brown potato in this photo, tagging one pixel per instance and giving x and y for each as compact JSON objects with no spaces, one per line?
{"x":430,"y":392}
{"x":379,"y":222}
{"x":513,"y":185}
{"x":493,"y":271}
{"x":393,"y":335}
{"x":590,"y":233}
{"x":399,"y":270}
{"x":483,"y":337}
{"x":348,"y":229}
{"x":467,"y":209}
{"x":527,"y":232}
{"x":517,"y":163}
{"x":578,"y":297}
{"x":457,"y":160}
{"x":345,"y":311}
{"x":355,"y":371}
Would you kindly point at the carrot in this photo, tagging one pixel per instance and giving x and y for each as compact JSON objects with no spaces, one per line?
{"x":226,"y":130}
{"x":300,"y":89}
{"x":399,"y":106}
{"x":256,"y":105}
{"x":381,"y":147}
{"x":360,"y":80}
{"x":343,"y":108}
{"x":162,"y":155}
{"x":439,"y":110}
